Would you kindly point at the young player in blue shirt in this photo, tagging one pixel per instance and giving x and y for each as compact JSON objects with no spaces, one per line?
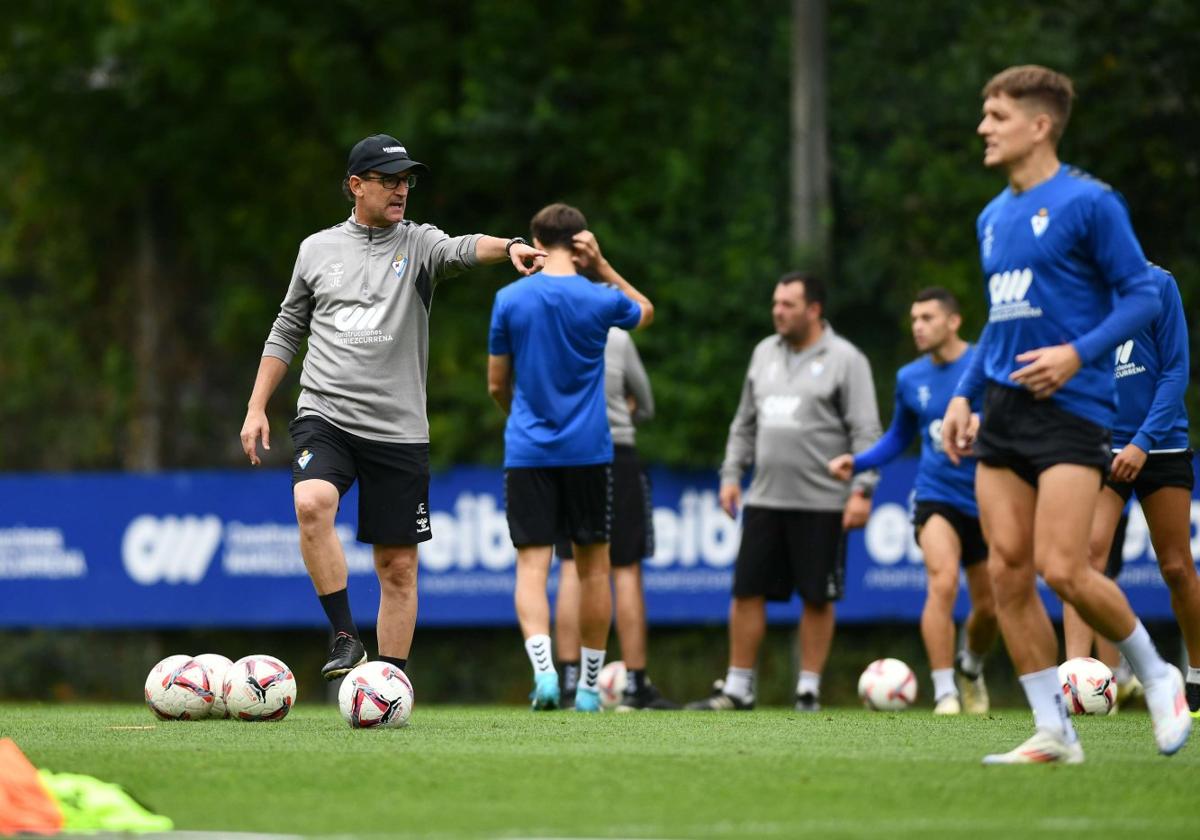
{"x":945,"y":517}
{"x":1057,"y":247}
{"x":1152,"y":458}
{"x":546,"y":372}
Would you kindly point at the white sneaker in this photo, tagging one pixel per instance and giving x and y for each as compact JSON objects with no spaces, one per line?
{"x":974,"y":694}
{"x":1129,"y":689}
{"x":1169,"y":712}
{"x":948,"y":705}
{"x":1045,"y":747}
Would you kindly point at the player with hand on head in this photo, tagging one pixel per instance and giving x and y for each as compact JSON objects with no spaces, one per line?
{"x":1067,"y":281}
{"x":808,"y":396}
{"x":546,"y":372}
{"x":946,"y":517}
{"x":1153,"y":460}
{"x":361,"y":292}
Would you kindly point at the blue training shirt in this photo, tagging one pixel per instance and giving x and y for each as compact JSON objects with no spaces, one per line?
{"x":1152,"y":370}
{"x":555,"y":328}
{"x":1054,"y":257}
{"x":923,"y":390}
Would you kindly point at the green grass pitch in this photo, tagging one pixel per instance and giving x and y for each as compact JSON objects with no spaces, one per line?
{"x":475,"y":772}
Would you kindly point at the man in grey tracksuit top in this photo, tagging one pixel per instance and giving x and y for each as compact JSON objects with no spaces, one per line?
{"x":808,"y":393}
{"x":361,"y":293}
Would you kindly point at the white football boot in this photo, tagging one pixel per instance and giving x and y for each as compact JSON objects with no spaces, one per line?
{"x":948,"y":705}
{"x":1045,"y":747}
{"x":1169,"y":711}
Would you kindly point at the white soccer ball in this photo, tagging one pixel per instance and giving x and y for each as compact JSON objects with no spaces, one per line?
{"x":887,"y":685}
{"x":217,"y":666}
{"x":376,"y":695}
{"x":259,"y":687}
{"x":1089,"y":687}
{"x":611,"y":684}
{"x":179,"y":688}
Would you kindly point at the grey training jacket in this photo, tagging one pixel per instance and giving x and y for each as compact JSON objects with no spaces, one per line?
{"x":362,"y":296}
{"x":624,"y":376}
{"x":797,"y":412}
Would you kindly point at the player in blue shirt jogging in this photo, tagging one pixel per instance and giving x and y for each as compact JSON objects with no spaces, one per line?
{"x":946,"y":518}
{"x":1057,"y":247}
{"x":546,"y":372}
{"x":1154,"y":460}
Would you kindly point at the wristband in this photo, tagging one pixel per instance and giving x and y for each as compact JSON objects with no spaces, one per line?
{"x":512,"y":242}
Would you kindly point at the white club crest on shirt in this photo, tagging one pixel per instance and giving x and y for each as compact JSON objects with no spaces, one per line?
{"x":399,"y":264}
{"x":1040,"y":221}
{"x":816,"y":368}
{"x":923,"y":395}
{"x":988,"y":239}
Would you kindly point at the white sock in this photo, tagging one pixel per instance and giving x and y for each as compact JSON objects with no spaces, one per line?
{"x":591,"y":661}
{"x":1122,"y":672}
{"x":972,"y":662}
{"x":538,"y":648}
{"x":1193,"y":675}
{"x":1044,"y":693}
{"x":943,"y":683}
{"x":1142,"y":656}
{"x":809,"y":683}
{"x":739,"y":683}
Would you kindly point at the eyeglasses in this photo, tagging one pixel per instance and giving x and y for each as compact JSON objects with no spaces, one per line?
{"x":390,"y":182}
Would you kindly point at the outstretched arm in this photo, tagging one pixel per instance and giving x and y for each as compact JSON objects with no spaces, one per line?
{"x":894,"y":441}
{"x":524,"y":258}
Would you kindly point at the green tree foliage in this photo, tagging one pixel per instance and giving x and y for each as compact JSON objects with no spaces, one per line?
{"x":163,"y":161}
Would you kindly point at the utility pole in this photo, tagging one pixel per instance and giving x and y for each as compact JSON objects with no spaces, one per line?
{"x":810,"y":142}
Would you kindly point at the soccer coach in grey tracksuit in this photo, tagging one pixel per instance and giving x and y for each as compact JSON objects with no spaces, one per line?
{"x":361,"y":292}
{"x":808,"y":393}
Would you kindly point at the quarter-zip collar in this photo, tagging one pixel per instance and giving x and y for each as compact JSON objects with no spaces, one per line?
{"x":367,"y":232}
{"x":821,"y":345}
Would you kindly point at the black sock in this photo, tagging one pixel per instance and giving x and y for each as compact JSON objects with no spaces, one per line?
{"x":635,"y":680}
{"x":337,"y":608}
{"x":391,"y":660}
{"x":570,"y":676}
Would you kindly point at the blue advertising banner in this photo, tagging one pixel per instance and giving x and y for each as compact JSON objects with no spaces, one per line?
{"x":202,"y":549}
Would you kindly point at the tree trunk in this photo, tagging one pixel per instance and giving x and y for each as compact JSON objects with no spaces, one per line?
{"x":144,"y":452}
{"x":810,"y":144}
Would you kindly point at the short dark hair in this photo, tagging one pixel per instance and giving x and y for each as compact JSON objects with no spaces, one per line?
{"x":814,"y":287}
{"x":556,"y":225}
{"x":942,"y":295}
{"x":1048,"y":88}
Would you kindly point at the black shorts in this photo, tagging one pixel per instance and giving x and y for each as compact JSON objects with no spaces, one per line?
{"x":1162,"y":469}
{"x":393,"y":478}
{"x":786,"y":551}
{"x":1029,"y":436}
{"x":1116,"y":552}
{"x":970,"y":535}
{"x":546,"y":504}
{"x":633,"y":513}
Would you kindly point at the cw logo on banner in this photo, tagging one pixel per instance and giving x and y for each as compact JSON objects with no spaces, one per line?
{"x":170,"y":549}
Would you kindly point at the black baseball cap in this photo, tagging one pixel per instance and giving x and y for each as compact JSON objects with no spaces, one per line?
{"x":382,"y":153}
